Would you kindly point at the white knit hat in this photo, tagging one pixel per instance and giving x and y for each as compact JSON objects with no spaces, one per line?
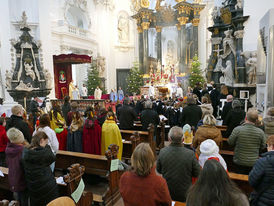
{"x":187,"y":127}
{"x":209,"y":147}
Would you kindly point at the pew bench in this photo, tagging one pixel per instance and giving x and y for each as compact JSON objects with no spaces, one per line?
{"x":106,"y":191}
{"x":242,"y":182}
{"x":145,"y":136}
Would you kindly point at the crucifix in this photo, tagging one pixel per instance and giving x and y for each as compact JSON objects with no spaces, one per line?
{"x":218,"y":50}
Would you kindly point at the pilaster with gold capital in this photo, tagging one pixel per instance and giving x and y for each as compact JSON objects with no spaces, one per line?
{"x":158,"y":28}
{"x":195,"y":21}
{"x":145,"y":25}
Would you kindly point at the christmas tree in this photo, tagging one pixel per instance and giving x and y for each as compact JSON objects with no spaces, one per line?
{"x":195,"y":73}
{"x":135,"y":79}
{"x":93,"y":78}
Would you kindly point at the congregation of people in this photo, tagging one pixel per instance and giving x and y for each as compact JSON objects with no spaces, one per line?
{"x":188,"y":169}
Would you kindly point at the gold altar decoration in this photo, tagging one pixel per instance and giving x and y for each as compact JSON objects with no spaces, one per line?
{"x":145,"y":25}
{"x":168,"y":14}
{"x":180,"y":1}
{"x":145,"y":3}
{"x":226,"y":15}
{"x":158,"y":28}
{"x":195,"y":21}
{"x":182,"y":20}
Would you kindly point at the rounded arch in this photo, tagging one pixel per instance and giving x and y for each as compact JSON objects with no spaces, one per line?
{"x":76,"y":17}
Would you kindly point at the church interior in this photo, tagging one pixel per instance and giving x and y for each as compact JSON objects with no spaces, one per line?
{"x":111,"y":81}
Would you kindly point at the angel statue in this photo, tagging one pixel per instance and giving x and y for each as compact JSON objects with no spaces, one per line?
{"x":29,"y":71}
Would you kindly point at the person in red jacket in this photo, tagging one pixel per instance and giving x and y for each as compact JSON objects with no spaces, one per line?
{"x":3,"y":141}
{"x":142,"y":186}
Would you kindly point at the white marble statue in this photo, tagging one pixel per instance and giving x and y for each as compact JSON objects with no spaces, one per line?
{"x":252,"y":63}
{"x":25,"y":87}
{"x":239,"y":4}
{"x":8,"y":79}
{"x":228,"y":44}
{"x":228,"y":73}
{"x":29,"y":71}
{"x":215,"y":13}
{"x":219,"y":67}
{"x":123,"y":28}
{"x":101,"y":65}
{"x":48,"y":79}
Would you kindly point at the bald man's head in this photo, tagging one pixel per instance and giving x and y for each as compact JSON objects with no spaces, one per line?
{"x":252,"y":115}
{"x":229,"y":98}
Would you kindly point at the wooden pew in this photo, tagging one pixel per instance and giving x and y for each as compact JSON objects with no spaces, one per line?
{"x":228,"y":157}
{"x":180,"y":203}
{"x":107,"y":193}
{"x":72,"y":179}
{"x":129,"y":146}
{"x":160,"y":133}
{"x":145,"y":136}
{"x":242,"y":181}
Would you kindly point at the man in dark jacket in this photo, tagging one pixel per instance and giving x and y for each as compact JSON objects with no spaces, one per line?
{"x":149,"y":116}
{"x":227,"y":107}
{"x":178,"y":165}
{"x":16,"y":120}
{"x":126,"y":115}
{"x":196,"y":91}
{"x":215,"y":99}
{"x":261,"y":177}
{"x":234,"y":117}
{"x":192,"y":113}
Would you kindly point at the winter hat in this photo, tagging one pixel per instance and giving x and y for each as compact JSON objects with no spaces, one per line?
{"x":188,"y":136}
{"x":209,"y":147}
{"x":15,"y":136}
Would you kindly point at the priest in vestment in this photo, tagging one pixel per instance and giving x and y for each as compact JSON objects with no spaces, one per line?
{"x":111,"y":135}
{"x":71,"y":89}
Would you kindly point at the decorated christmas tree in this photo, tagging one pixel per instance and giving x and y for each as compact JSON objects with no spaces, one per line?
{"x":195,"y":73}
{"x":135,"y":79}
{"x":93,"y":78}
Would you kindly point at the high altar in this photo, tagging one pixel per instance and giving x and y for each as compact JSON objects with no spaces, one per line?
{"x":168,"y":40}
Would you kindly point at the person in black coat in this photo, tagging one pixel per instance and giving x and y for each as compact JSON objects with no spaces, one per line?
{"x":227,"y":107}
{"x":66,"y":108}
{"x":215,"y":99}
{"x":196,"y":91}
{"x":261,"y":177}
{"x":34,"y":108}
{"x":126,"y":115}
{"x":192,"y":113}
{"x":234,"y":117}
{"x":39,"y":177}
{"x":148,"y":116}
{"x":16,"y":120}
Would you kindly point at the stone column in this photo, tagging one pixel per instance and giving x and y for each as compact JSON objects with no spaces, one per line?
{"x":145,"y":26}
{"x":159,"y":43}
{"x":141,"y":50}
{"x":182,"y":43}
{"x":195,"y":23}
{"x":240,"y":70}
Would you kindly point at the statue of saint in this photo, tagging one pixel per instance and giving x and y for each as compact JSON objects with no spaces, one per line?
{"x":29,"y":71}
{"x":48,"y":79}
{"x":123,"y":28}
{"x":228,"y":74}
{"x":252,"y":63}
{"x":239,"y":4}
{"x":219,"y":67}
{"x":101,"y":64}
{"x":8,"y":79}
{"x":158,"y":5}
{"x":228,"y":44}
{"x":151,"y":72}
{"x":215,"y":12}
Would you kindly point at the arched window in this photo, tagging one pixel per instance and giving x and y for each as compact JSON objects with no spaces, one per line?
{"x":76,"y":17}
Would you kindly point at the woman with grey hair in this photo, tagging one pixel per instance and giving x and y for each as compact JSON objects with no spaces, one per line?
{"x":268,"y":122}
{"x":148,"y":115}
{"x":234,"y":117}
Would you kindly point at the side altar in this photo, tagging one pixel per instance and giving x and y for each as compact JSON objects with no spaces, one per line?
{"x":168,"y":39}
{"x":228,"y":64}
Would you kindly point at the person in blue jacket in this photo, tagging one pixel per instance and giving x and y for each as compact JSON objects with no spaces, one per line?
{"x":261,"y":177}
